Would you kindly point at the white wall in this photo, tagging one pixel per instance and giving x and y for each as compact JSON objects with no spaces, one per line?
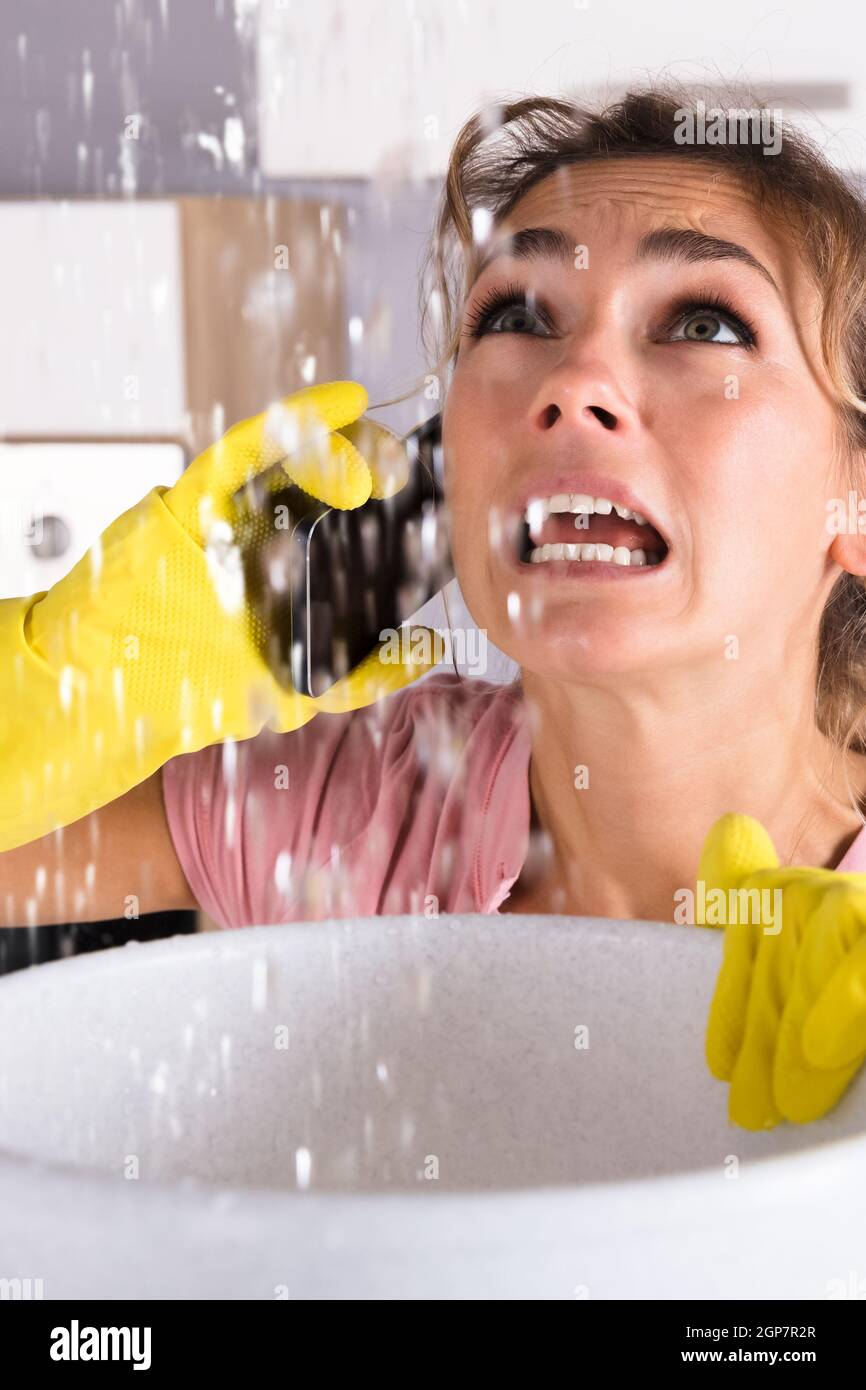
{"x":381,"y":88}
{"x":92,"y":314}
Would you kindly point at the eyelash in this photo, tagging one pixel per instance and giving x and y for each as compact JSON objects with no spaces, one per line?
{"x":511,"y":296}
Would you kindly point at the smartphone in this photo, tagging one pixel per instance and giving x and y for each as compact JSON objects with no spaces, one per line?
{"x":326,"y":586}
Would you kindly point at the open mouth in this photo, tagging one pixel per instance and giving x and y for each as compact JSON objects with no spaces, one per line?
{"x":576,"y":526}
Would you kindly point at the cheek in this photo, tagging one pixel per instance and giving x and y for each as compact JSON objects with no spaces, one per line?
{"x":469,"y":510}
{"x":467,"y":524}
{"x":746,"y":474}
{"x":491,"y":388}
{"x":474,"y":471}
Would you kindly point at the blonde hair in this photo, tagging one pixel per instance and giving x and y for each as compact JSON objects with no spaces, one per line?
{"x":500,"y":153}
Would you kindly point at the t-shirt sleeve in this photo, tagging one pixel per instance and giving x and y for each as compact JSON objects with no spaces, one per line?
{"x":263,"y":827}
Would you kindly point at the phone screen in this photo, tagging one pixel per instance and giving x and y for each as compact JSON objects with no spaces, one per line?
{"x":326,"y":586}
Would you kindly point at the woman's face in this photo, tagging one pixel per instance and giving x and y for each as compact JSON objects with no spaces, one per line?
{"x":599,"y":382}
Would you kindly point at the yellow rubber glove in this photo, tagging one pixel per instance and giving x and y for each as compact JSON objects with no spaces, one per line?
{"x":146,"y":648}
{"x":787,"y":1025}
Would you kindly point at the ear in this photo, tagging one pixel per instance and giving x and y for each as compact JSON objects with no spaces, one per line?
{"x":846,"y":521}
{"x":849,"y":551}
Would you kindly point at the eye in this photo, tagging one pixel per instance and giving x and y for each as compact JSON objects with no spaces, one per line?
{"x":513,"y":318}
{"x":509,"y":310}
{"x":705,"y":326}
{"x":707,"y":317}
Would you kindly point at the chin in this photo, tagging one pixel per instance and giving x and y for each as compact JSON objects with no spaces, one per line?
{"x":574,"y":651}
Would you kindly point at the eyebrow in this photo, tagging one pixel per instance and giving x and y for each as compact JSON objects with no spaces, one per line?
{"x":683,"y":244}
{"x":664,"y":244}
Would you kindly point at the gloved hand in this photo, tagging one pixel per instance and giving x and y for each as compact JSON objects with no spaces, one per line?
{"x":146,"y":649}
{"x":787,"y":1024}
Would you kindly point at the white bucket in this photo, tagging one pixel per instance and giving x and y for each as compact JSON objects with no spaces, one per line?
{"x":405,"y":1108}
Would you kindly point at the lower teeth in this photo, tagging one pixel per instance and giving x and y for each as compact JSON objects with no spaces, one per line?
{"x":621,"y":555}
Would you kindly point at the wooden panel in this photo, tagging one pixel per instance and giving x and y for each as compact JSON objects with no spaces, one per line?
{"x":261,"y":321}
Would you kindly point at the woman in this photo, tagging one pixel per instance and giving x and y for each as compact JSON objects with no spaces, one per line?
{"x":628,"y":324}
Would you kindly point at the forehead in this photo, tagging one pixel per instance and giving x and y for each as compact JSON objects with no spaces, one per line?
{"x":613,"y":202}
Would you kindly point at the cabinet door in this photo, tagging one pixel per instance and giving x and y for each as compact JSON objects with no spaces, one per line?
{"x":263,"y":304}
{"x":56,"y":498}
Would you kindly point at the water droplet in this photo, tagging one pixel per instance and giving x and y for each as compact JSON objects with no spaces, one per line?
{"x":260,"y":984}
{"x":283,"y":872}
{"x":303,"y":1167}
{"x":482,"y":221}
{"x":233,"y":142}
{"x":87,"y":81}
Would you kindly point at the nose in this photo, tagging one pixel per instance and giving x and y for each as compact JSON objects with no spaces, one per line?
{"x":585,"y":397}
{"x":553,"y":412}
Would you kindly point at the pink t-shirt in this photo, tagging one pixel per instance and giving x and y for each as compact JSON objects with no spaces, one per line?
{"x":417,"y":804}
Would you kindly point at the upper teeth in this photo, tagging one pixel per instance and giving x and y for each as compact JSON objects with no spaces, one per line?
{"x":540,"y":507}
